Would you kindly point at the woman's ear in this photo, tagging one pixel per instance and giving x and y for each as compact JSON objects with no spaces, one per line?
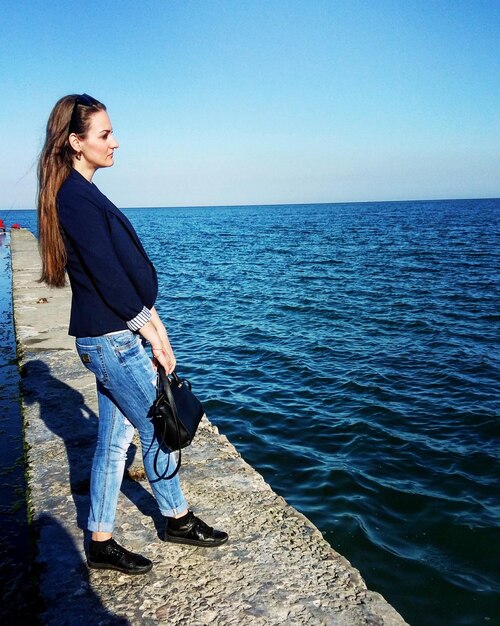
{"x":74,"y":142}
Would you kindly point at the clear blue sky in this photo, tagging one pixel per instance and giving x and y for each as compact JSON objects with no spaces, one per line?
{"x":256,"y":102}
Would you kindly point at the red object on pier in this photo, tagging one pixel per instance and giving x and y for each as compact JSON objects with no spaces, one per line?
{"x":15,"y":226}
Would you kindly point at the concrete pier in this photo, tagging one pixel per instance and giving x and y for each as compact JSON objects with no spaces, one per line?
{"x":276,"y":568}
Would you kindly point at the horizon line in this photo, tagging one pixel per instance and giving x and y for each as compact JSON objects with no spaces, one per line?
{"x":277,"y":204}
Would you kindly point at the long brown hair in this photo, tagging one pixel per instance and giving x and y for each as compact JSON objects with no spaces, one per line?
{"x":54,"y":165}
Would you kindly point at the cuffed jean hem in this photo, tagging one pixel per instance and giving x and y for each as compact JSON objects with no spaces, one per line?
{"x":108,"y":527}
{"x":101,"y":527}
{"x":173,"y":512}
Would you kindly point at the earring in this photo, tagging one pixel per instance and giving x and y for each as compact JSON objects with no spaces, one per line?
{"x":78,"y":156}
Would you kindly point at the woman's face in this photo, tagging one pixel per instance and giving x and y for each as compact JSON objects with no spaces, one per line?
{"x":99,"y":144}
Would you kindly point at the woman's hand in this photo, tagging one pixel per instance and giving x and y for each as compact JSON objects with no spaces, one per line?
{"x":160,"y":346}
{"x":163,"y":354}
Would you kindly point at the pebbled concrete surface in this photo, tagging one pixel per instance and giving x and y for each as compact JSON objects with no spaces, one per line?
{"x":276,"y":568}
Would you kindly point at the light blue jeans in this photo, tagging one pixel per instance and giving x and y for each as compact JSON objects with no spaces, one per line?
{"x":126,"y":389}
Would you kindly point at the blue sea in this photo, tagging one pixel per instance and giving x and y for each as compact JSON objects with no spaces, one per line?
{"x":351,"y":353}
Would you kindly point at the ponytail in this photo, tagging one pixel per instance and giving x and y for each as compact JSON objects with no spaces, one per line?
{"x":54,"y":166}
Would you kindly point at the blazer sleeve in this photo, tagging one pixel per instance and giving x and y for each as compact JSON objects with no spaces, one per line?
{"x":86,"y":226}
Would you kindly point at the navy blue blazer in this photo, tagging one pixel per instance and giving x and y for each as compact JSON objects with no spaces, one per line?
{"x":111,"y":276}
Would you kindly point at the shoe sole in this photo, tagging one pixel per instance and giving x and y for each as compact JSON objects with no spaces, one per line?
{"x":145,"y":570}
{"x":194,"y":542}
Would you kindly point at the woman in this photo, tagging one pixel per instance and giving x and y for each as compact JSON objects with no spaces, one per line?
{"x":114,"y":287}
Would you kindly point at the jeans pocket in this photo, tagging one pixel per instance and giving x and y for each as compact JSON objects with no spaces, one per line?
{"x":124,"y":340}
{"x":127,"y":346}
{"x":93,"y":358}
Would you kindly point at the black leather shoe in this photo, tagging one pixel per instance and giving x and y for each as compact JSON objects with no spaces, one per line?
{"x":113,"y":556}
{"x":195,"y":532}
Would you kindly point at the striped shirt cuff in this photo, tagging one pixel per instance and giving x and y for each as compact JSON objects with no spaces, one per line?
{"x":140,"y":319}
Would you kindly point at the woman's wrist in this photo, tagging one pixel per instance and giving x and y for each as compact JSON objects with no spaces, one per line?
{"x":148,"y":331}
{"x":162,"y":332}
